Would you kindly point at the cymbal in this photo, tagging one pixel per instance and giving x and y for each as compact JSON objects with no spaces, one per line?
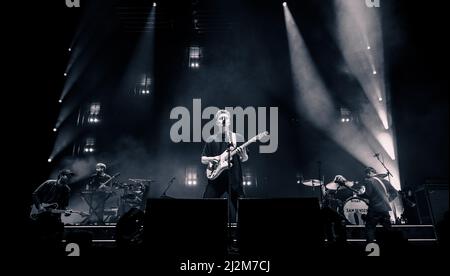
{"x":332,"y":186}
{"x":335,"y":186}
{"x":312,"y":182}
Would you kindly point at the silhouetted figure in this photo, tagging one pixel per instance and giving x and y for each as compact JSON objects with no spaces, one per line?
{"x":48,"y":229}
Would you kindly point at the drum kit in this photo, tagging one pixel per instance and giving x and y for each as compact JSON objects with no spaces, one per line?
{"x":134,"y":194}
{"x":343,"y":198}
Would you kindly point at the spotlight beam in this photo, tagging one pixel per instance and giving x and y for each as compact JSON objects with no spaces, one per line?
{"x":313,"y":99}
{"x":358,"y":31}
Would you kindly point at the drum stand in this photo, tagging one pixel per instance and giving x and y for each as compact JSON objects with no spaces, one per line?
{"x":321,"y":182}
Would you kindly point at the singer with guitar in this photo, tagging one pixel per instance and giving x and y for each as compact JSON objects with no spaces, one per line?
{"x":214,"y":147}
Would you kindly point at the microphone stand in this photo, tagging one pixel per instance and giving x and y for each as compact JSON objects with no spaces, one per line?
{"x":384,"y":166}
{"x":389,"y":174}
{"x":168,"y":187}
{"x":229,"y":144}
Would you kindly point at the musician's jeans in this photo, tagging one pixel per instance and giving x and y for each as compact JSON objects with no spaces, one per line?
{"x":372,"y":219}
{"x":217,"y":189}
{"x":334,"y":225}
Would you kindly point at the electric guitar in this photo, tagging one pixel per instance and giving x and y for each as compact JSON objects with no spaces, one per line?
{"x":215,"y":168}
{"x":52,"y":208}
{"x":107,"y":189}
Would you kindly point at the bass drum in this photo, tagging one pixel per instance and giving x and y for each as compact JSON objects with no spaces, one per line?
{"x":355,"y":210}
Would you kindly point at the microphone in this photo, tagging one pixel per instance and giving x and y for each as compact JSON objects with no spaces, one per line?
{"x":376,"y":155}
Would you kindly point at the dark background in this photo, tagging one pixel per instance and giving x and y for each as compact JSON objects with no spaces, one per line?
{"x":248,"y":65}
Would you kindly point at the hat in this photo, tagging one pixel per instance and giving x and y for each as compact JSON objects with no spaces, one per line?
{"x":66,"y":172}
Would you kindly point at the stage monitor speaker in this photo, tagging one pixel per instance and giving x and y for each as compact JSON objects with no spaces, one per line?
{"x":432,"y":203}
{"x":129,"y":229}
{"x":280,"y":227}
{"x":186,"y":227}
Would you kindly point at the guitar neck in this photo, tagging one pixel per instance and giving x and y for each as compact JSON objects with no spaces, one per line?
{"x":109,"y":180}
{"x":243,"y":146}
{"x":248,"y":143}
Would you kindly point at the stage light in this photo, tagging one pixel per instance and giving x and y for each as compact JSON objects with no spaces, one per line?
{"x":55,"y":129}
{"x":65,"y":74}
{"x":142,"y":87}
{"x":195,"y":55}
{"x":190,"y":177}
{"x":368,"y":48}
{"x":284,"y":4}
{"x":89,"y":145}
{"x":60,"y":101}
{"x":154,"y":4}
{"x":346,"y":115}
{"x":374,"y":72}
{"x":70,"y":49}
{"x":380,"y":99}
{"x":49,"y":160}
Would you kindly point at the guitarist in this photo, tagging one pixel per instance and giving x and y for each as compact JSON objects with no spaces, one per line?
{"x":216,"y":145}
{"x":54,"y":191}
{"x":97,"y":185}
{"x":47,"y":230}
